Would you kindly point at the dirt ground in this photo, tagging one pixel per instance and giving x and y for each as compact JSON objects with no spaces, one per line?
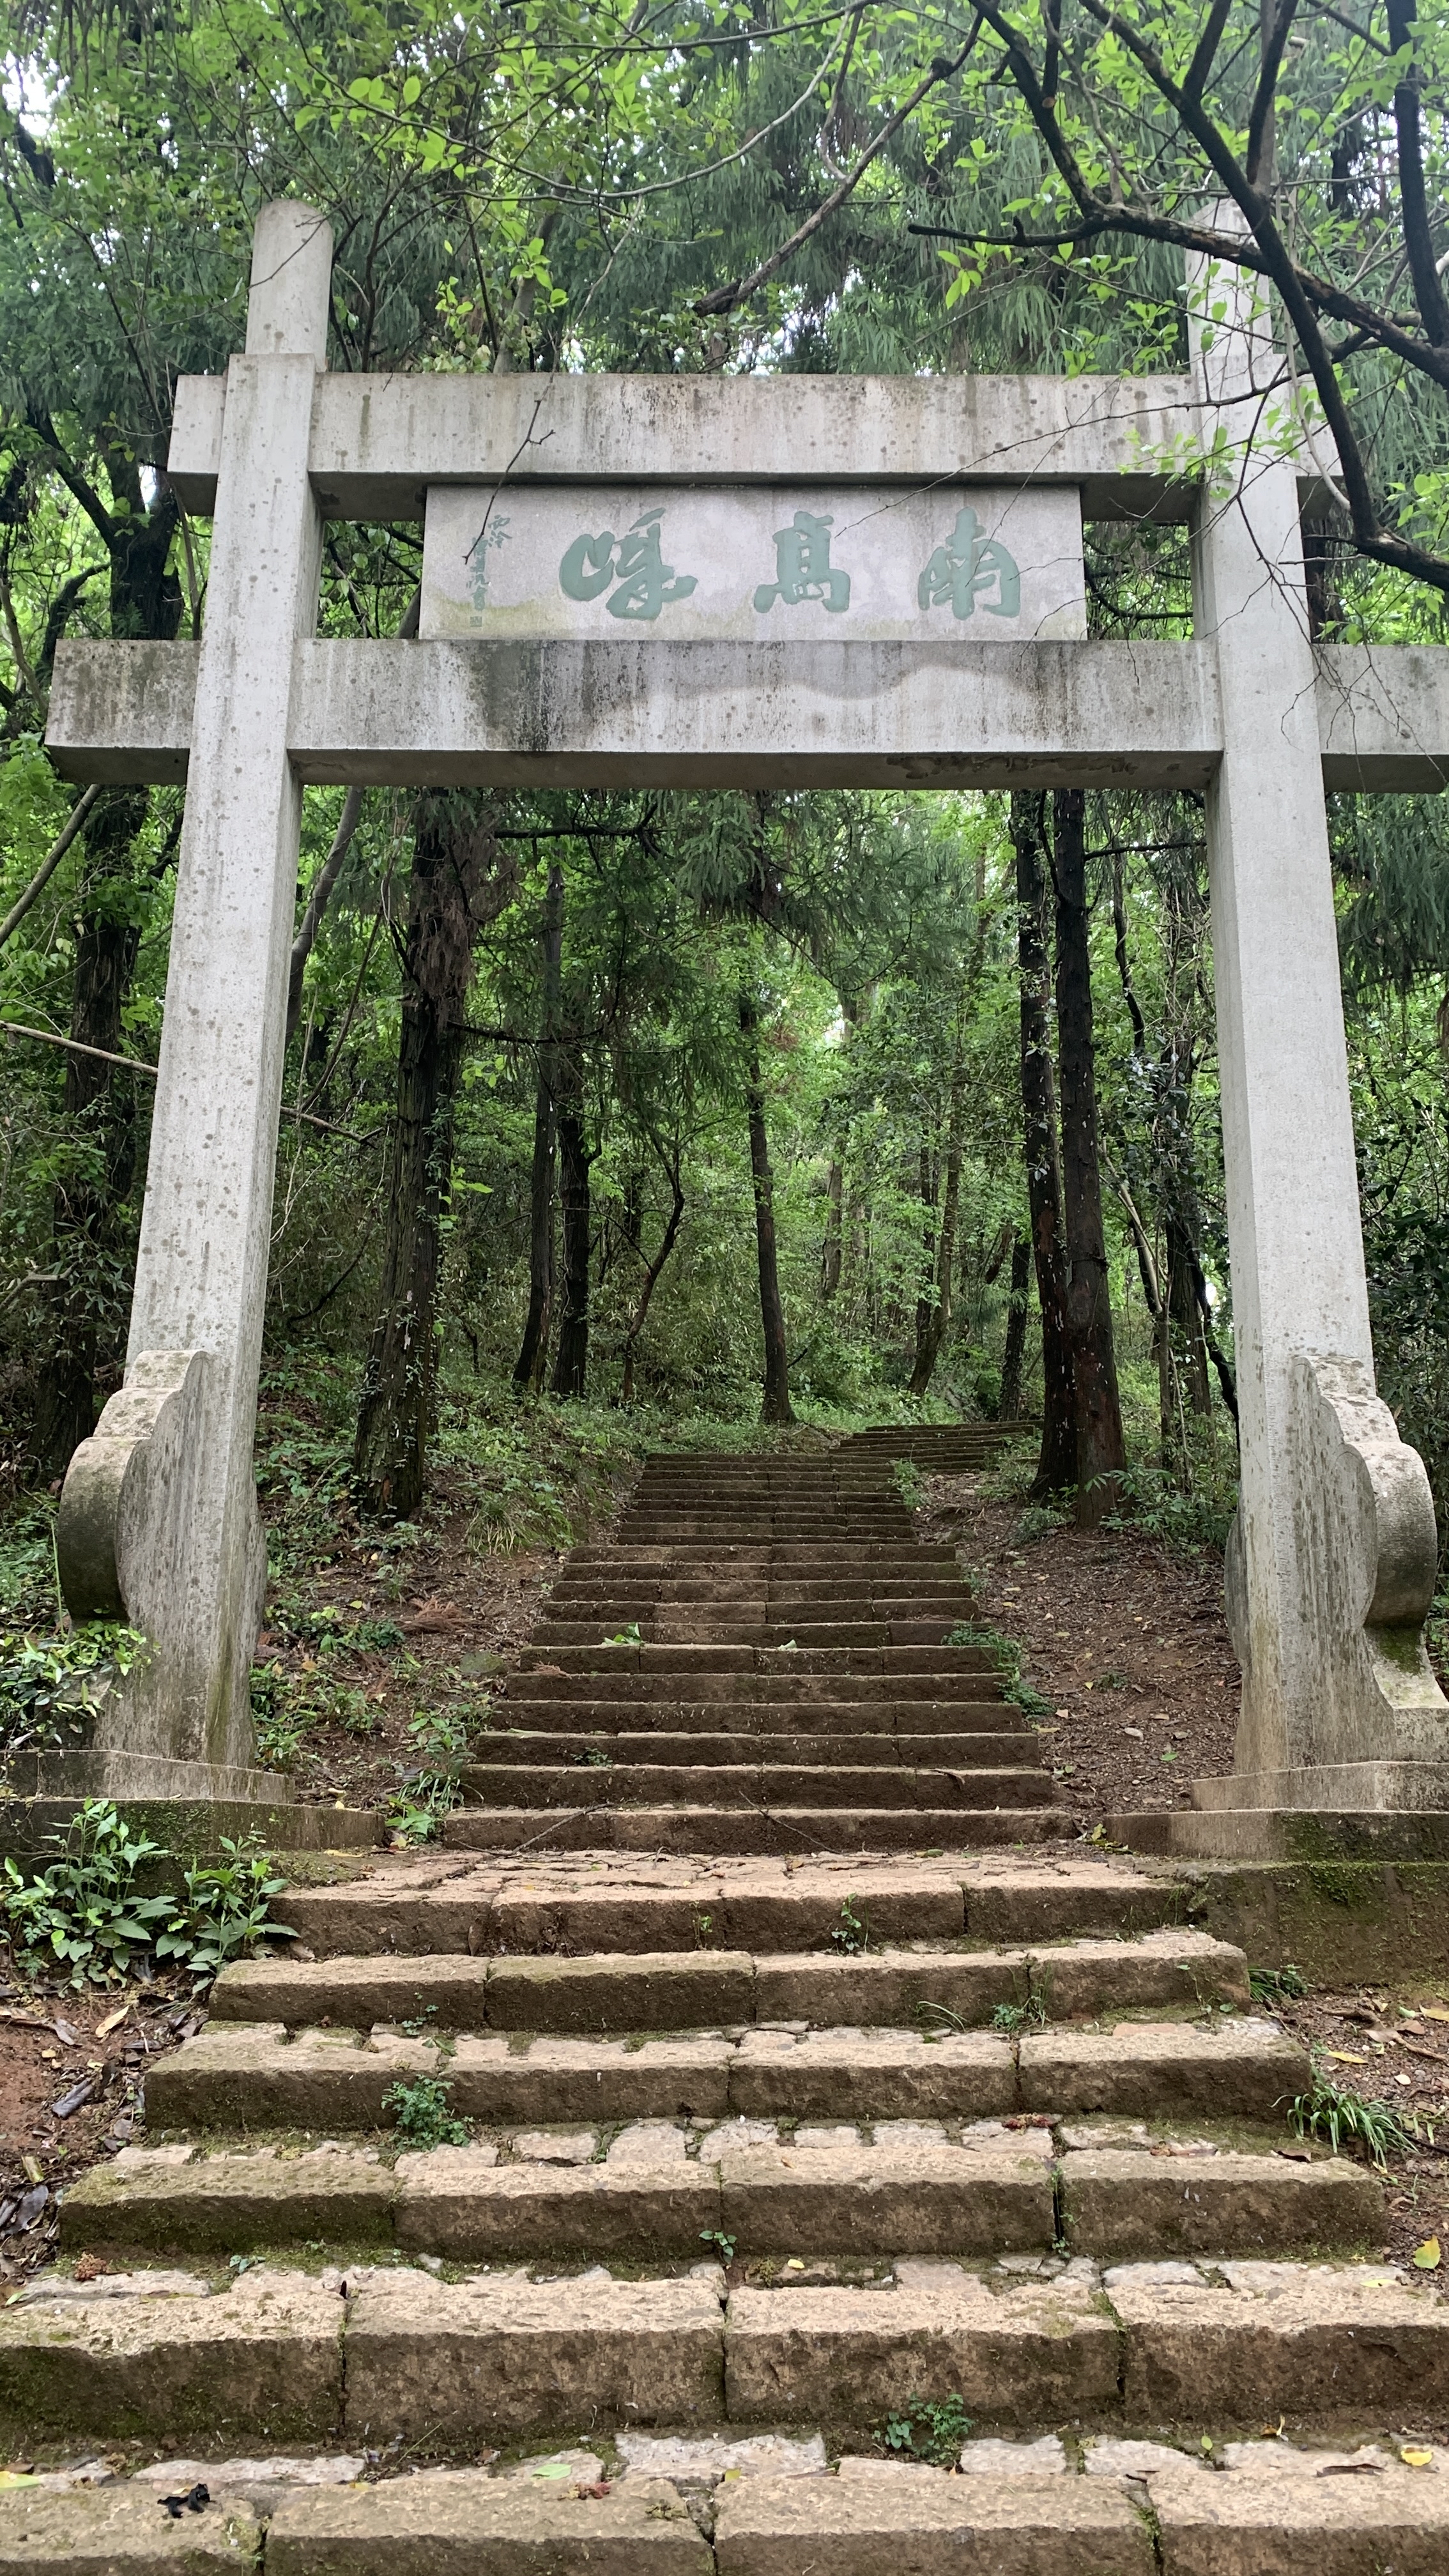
{"x":1123,"y":1636}
{"x":72,"y":2076}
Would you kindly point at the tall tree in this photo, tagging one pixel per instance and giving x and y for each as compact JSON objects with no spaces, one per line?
{"x":460,"y":880}
{"x":528,"y":1367}
{"x":1101,"y":1450}
{"x":776,"y":1406}
{"x":1057,"y":1462}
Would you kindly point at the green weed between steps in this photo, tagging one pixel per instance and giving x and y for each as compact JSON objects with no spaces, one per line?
{"x":84,"y":1912}
{"x":1285,"y":1985}
{"x":1006,"y":1655}
{"x":421,"y":2113}
{"x":928,"y":2428}
{"x":852,"y":1932}
{"x":1334,"y":2112}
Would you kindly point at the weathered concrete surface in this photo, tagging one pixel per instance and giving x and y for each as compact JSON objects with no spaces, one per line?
{"x":451,"y":2204}
{"x":1242,"y":2070}
{"x":378,"y":442}
{"x":121,"y":2531}
{"x":1310,"y":2342}
{"x":188,"y":1549}
{"x":1331,"y":1558}
{"x":264,"y":2357}
{"x":465,"y":2523}
{"x":921,"y":2521}
{"x":906,"y":2200}
{"x":234,"y":2203}
{"x":482,"y":2357}
{"x":1272,"y":2523}
{"x":124,"y":711}
{"x":1037,"y":2354}
{"x":1118,"y":2202}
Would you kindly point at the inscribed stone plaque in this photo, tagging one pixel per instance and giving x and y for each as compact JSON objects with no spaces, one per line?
{"x":964,"y":563}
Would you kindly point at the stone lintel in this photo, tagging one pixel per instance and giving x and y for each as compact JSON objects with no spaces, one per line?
{"x":833,"y":714}
{"x":1301,"y":1834}
{"x":379,"y":441}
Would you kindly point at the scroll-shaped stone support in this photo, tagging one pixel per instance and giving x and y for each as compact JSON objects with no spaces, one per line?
{"x":123,"y":1539}
{"x":1366,"y":1550}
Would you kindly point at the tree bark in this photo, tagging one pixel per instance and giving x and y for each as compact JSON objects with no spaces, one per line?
{"x":1101,"y":1453}
{"x":933,"y":1315}
{"x":832,"y":1250}
{"x":1057,"y":1463}
{"x":570,"y":1375}
{"x":91,"y":1251}
{"x":652,"y":1273}
{"x":457,"y":884}
{"x":776,"y":1406}
{"x":1008,"y":1404}
{"x":528,"y":1368}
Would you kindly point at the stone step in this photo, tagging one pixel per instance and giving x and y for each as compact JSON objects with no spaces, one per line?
{"x":995,"y":2192}
{"x":910,"y":1699}
{"x":691,"y":1559}
{"x":620,"y":1602}
{"x":753,"y":1785}
{"x":429,"y":1904}
{"x":940,"y":1662}
{"x":251,"y":2076}
{"x":754,"y":1831}
{"x":497,"y":2357}
{"x":726,"y":1631}
{"x":462,"y":2205}
{"x":668,"y":1990}
{"x":626,"y":1747}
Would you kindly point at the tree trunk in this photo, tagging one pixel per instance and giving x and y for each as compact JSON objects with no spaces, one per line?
{"x":89,"y":1301}
{"x":833,"y":1248}
{"x":776,"y":1405}
{"x":1057,"y":1463}
{"x":528,"y":1368}
{"x":931,"y":1325}
{"x":652,"y":1273}
{"x":457,"y":884}
{"x":571,"y":1366}
{"x":1008,"y":1405}
{"x":1101,"y":1454}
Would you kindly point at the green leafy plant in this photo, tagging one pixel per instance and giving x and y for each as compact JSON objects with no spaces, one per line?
{"x":1036,"y":1521}
{"x":227,"y":1910}
{"x":928,"y":2428}
{"x":1285,"y":1985}
{"x":1335,"y":2112}
{"x":421,"y":2113}
{"x":430,"y":1789}
{"x":1012,"y":2019}
{"x":906,"y":1477}
{"x":852,"y":1932}
{"x":1005,"y":1654}
{"x":626,"y":1636}
{"x":724,"y":2245}
{"x":85,"y":1912}
{"x":42,"y":1680}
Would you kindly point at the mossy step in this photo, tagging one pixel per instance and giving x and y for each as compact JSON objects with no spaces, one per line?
{"x":759,"y":1784}
{"x":252,"y":2075}
{"x":750,"y":1831}
{"x":664,"y":1990}
{"x":627,"y":1745}
{"x":497,"y":2357}
{"x":440,"y":1904}
{"x":995,"y":2192}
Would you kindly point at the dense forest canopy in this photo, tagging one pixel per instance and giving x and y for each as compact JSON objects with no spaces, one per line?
{"x":834,"y":1103}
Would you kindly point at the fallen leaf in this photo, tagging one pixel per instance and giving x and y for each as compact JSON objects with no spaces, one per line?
{"x":113,"y":2021}
{"x":1433,"y":2012}
{"x":1346,"y":2057}
{"x":1427,"y":2257}
{"x":1414,"y":2458}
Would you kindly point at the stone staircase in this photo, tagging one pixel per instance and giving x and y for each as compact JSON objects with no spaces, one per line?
{"x":871,"y":2210}
{"x":758,"y":1663}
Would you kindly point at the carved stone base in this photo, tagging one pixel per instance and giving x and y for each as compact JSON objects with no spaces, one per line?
{"x":184,"y":1806}
{"x":1287,"y":1833}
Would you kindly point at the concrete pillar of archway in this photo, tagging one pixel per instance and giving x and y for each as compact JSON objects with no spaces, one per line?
{"x":158,"y":1519}
{"x":1331,"y":1562}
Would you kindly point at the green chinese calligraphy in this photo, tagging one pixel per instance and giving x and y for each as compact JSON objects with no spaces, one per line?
{"x":966,"y":568}
{"x":492,"y":535}
{"x":803,"y":569}
{"x":646,"y":582}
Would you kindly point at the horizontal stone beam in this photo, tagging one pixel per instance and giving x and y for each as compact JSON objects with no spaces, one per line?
{"x":379,"y":441}
{"x":734,"y":715}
